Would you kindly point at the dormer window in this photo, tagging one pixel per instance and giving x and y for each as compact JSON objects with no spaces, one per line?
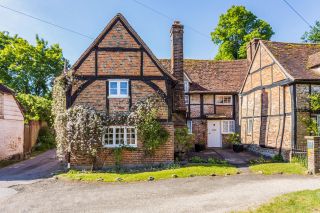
{"x":118,"y":89}
{"x":186,"y":86}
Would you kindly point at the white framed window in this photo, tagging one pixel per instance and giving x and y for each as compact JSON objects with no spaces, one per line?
{"x":228,"y":126}
{"x":189,"y":126}
{"x":1,"y":104}
{"x":186,"y":99}
{"x":249,"y":126}
{"x":223,"y":99}
{"x":186,"y":85}
{"x":118,"y":88}
{"x":115,"y":136}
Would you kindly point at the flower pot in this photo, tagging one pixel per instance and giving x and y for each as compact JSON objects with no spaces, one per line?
{"x":237,"y":147}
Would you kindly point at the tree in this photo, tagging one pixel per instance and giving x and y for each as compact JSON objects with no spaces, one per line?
{"x":235,"y":29}
{"x":313,"y":35}
{"x":29,"y":68}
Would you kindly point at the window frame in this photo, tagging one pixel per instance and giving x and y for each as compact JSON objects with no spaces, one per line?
{"x":125,"y":138}
{"x":186,"y":99}
{"x":189,"y":122}
{"x":223,"y":103}
{"x":231,"y":126}
{"x":249,"y":128}
{"x":118,"y":95}
{"x":186,"y":86}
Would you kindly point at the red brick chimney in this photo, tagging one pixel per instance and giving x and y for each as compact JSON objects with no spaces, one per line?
{"x":251,"y":48}
{"x":177,"y":64}
{"x":179,"y":107}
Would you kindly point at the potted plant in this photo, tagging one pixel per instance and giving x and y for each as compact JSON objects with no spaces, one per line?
{"x":235,"y":140}
{"x":199,"y":146}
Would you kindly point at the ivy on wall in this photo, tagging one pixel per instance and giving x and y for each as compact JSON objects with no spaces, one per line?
{"x":80,"y":128}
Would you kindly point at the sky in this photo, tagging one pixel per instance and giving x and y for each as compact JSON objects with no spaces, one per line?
{"x":200,"y":17}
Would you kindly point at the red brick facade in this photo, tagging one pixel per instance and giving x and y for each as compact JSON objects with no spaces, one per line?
{"x":119,"y":53}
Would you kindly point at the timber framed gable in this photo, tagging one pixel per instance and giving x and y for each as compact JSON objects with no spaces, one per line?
{"x":119,"y":53}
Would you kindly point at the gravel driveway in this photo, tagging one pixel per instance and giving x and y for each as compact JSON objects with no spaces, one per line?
{"x":198,"y":194}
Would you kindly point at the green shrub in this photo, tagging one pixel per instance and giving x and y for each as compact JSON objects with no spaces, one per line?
{"x":277,"y":159}
{"x":45,"y":140}
{"x":234,"y":138}
{"x":184,"y":140}
{"x":216,"y":161}
{"x":302,"y":160}
{"x":36,"y":108}
{"x":197,"y":159}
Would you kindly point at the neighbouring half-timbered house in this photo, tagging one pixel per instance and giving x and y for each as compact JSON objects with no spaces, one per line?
{"x":114,"y":73}
{"x":211,"y":96}
{"x":274,"y":97}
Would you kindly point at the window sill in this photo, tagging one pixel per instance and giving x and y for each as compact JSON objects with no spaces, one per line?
{"x":124,"y":146}
{"x":118,"y":97}
{"x":223,"y":104}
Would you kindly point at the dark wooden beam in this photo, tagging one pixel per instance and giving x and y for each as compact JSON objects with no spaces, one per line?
{"x":130,"y":95}
{"x":141,"y":63}
{"x":107,"y":97}
{"x":96,"y":61}
{"x":79,"y":90}
{"x":201,"y":105}
{"x":119,"y":49}
{"x":108,"y":77}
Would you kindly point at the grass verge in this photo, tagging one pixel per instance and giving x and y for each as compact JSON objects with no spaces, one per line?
{"x":186,"y":171}
{"x":303,"y":201}
{"x":5,"y":163}
{"x":279,"y":168}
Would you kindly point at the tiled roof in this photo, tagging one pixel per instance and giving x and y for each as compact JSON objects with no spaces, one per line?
{"x":5,"y":89}
{"x":294,"y":58}
{"x":314,"y":60}
{"x":214,"y":76}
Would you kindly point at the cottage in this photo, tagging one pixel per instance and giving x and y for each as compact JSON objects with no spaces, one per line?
{"x":261,"y":97}
{"x":113,"y":74}
{"x":211,"y":96}
{"x":11,"y":125}
{"x":274,"y":96}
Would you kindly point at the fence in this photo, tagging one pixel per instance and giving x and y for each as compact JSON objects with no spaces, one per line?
{"x":31,"y":131}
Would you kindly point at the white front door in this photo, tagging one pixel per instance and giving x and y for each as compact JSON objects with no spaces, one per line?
{"x":214,"y":134}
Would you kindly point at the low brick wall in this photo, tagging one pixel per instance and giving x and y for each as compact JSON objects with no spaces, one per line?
{"x":136,"y":157}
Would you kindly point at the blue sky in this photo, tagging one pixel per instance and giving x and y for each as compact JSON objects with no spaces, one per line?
{"x":90,"y":17}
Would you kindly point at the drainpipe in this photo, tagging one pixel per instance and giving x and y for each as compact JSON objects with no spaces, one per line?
{"x":69,"y":157}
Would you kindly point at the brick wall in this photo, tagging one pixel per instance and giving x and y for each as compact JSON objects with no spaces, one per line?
{"x":105,"y":156}
{"x":118,"y":55}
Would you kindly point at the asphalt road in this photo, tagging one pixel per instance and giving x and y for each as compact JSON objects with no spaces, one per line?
{"x":26,"y":172}
{"x":197,"y":194}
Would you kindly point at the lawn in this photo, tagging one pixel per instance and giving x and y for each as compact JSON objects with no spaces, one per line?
{"x":279,"y":168}
{"x":182,"y":172}
{"x":303,"y":201}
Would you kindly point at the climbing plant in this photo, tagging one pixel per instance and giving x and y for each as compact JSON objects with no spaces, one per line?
{"x":61,"y":85}
{"x":144,"y":117}
{"x":83,"y":130}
